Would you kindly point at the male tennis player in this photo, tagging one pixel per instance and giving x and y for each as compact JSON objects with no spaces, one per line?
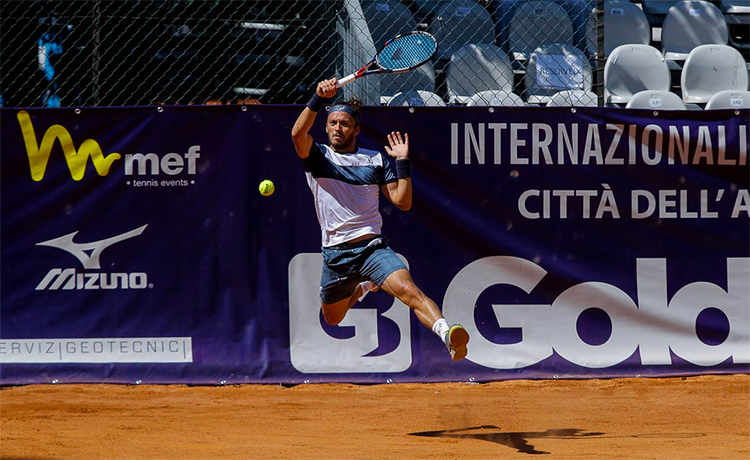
{"x":346,"y":181}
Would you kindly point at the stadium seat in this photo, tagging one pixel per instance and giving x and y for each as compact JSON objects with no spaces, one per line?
{"x":579,"y":12}
{"x":536,"y":23}
{"x":656,"y":10}
{"x":630,"y":69}
{"x":658,"y":6}
{"x":424,"y":10}
{"x":737,"y":15}
{"x":502,"y":12}
{"x":624,"y":24}
{"x":417,"y":98}
{"x":735,"y":6}
{"x":495,"y":99}
{"x":710,"y":69}
{"x":689,"y":24}
{"x":554,"y":68}
{"x":422,"y":78}
{"x":729,"y":99}
{"x":386,"y":19}
{"x":573,"y":98}
{"x":458,"y":23}
{"x":657,"y":100}
{"x":475,"y":68}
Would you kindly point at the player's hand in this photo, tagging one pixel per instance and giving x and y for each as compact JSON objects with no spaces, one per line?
{"x":327,"y":88}
{"x":398,"y":146}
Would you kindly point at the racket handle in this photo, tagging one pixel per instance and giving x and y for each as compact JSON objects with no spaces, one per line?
{"x":345,"y":80}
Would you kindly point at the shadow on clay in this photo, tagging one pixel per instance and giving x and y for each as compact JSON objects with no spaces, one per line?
{"x":520,"y":440}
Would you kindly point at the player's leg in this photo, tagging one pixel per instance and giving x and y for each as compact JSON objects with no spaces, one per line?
{"x":341,"y":286}
{"x":401,"y":285}
{"x":335,"y":312}
{"x":361,"y":291}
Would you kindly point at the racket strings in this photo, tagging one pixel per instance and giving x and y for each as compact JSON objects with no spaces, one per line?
{"x":406,"y":52}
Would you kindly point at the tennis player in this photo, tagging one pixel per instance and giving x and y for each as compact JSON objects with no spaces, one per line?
{"x":346,"y":181}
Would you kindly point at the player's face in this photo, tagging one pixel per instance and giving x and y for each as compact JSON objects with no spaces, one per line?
{"x":342,"y":131}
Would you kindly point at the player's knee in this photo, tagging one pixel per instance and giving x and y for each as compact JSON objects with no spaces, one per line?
{"x":333,"y":316}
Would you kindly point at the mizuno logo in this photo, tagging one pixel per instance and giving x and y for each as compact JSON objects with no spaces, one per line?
{"x":88,"y":253}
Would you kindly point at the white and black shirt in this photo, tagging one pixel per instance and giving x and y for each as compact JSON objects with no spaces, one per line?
{"x":346,"y":187}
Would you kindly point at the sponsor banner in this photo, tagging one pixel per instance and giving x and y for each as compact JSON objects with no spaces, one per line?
{"x":570,"y":244}
{"x":104,"y":350}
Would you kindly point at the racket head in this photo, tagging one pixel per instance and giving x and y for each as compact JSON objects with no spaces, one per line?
{"x":406,"y":51}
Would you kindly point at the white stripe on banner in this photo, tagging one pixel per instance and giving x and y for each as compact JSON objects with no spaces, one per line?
{"x":100,"y":350}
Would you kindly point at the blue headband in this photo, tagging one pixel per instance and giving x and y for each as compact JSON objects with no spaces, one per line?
{"x":345,"y":109}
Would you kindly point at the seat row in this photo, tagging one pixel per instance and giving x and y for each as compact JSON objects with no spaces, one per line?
{"x":684,"y":26}
{"x":647,"y":99}
{"x":520,"y":26}
{"x":551,"y":66}
{"x":707,"y":70}
{"x":483,"y":66}
{"x":630,"y":69}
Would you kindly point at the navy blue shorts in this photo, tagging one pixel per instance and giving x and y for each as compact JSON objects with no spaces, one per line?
{"x":348,"y":264}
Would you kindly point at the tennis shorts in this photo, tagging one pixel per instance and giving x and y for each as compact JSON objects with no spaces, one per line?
{"x":348,"y":264}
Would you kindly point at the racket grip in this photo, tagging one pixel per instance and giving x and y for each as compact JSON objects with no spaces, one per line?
{"x":345,"y":80}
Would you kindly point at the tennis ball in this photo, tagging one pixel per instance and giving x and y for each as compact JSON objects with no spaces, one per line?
{"x":266,"y":188}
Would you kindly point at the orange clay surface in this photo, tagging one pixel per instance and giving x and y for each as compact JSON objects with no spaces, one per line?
{"x":673,"y":418}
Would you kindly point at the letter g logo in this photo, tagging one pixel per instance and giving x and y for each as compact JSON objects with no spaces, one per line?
{"x":313,"y":350}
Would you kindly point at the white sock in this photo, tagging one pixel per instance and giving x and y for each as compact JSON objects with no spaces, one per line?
{"x":441,"y":328}
{"x":367,"y":286}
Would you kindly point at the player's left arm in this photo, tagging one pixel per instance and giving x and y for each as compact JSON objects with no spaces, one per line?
{"x":399,"y":192}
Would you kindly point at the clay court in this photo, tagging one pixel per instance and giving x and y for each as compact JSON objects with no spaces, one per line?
{"x":702,"y":418}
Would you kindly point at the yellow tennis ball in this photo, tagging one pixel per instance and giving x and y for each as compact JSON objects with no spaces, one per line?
{"x":266,"y":188}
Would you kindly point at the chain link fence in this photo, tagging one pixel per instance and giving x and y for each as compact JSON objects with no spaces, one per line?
{"x":139,"y":52}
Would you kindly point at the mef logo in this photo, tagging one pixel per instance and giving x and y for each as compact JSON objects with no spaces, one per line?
{"x":135,"y":164}
{"x":76,"y":158}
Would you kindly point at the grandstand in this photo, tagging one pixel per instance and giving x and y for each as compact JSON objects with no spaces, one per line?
{"x":189,"y":52}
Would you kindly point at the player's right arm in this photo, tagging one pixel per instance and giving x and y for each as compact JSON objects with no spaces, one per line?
{"x":301,"y":130}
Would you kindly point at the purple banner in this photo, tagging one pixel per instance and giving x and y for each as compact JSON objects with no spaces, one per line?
{"x":569,"y":243}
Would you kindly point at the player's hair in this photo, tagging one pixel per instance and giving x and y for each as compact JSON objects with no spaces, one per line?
{"x":353,"y":104}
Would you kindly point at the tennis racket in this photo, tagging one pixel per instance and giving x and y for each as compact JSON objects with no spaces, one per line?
{"x":400,"y":54}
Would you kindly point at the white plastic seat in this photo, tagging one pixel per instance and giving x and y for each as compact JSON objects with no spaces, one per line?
{"x":458,"y":23}
{"x":624,"y":24}
{"x":386,"y":19}
{"x":495,"y":99}
{"x":689,"y":24}
{"x":416,"y":98}
{"x":426,"y":9}
{"x":554,"y":68}
{"x":735,"y":6}
{"x":475,"y":68}
{"x":710,"y":69}
{"x":659,"y":7}
{"x":573,"y":98}
{"x":657,"y":100}
{"x":536,"y":23}
{"x":421,"y":78}
{"x":578,"y":11}
{"x":633,"y":68}
{"x":737,"y":15}
{"x":729,"y":99}
{"x":502,"y":12}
